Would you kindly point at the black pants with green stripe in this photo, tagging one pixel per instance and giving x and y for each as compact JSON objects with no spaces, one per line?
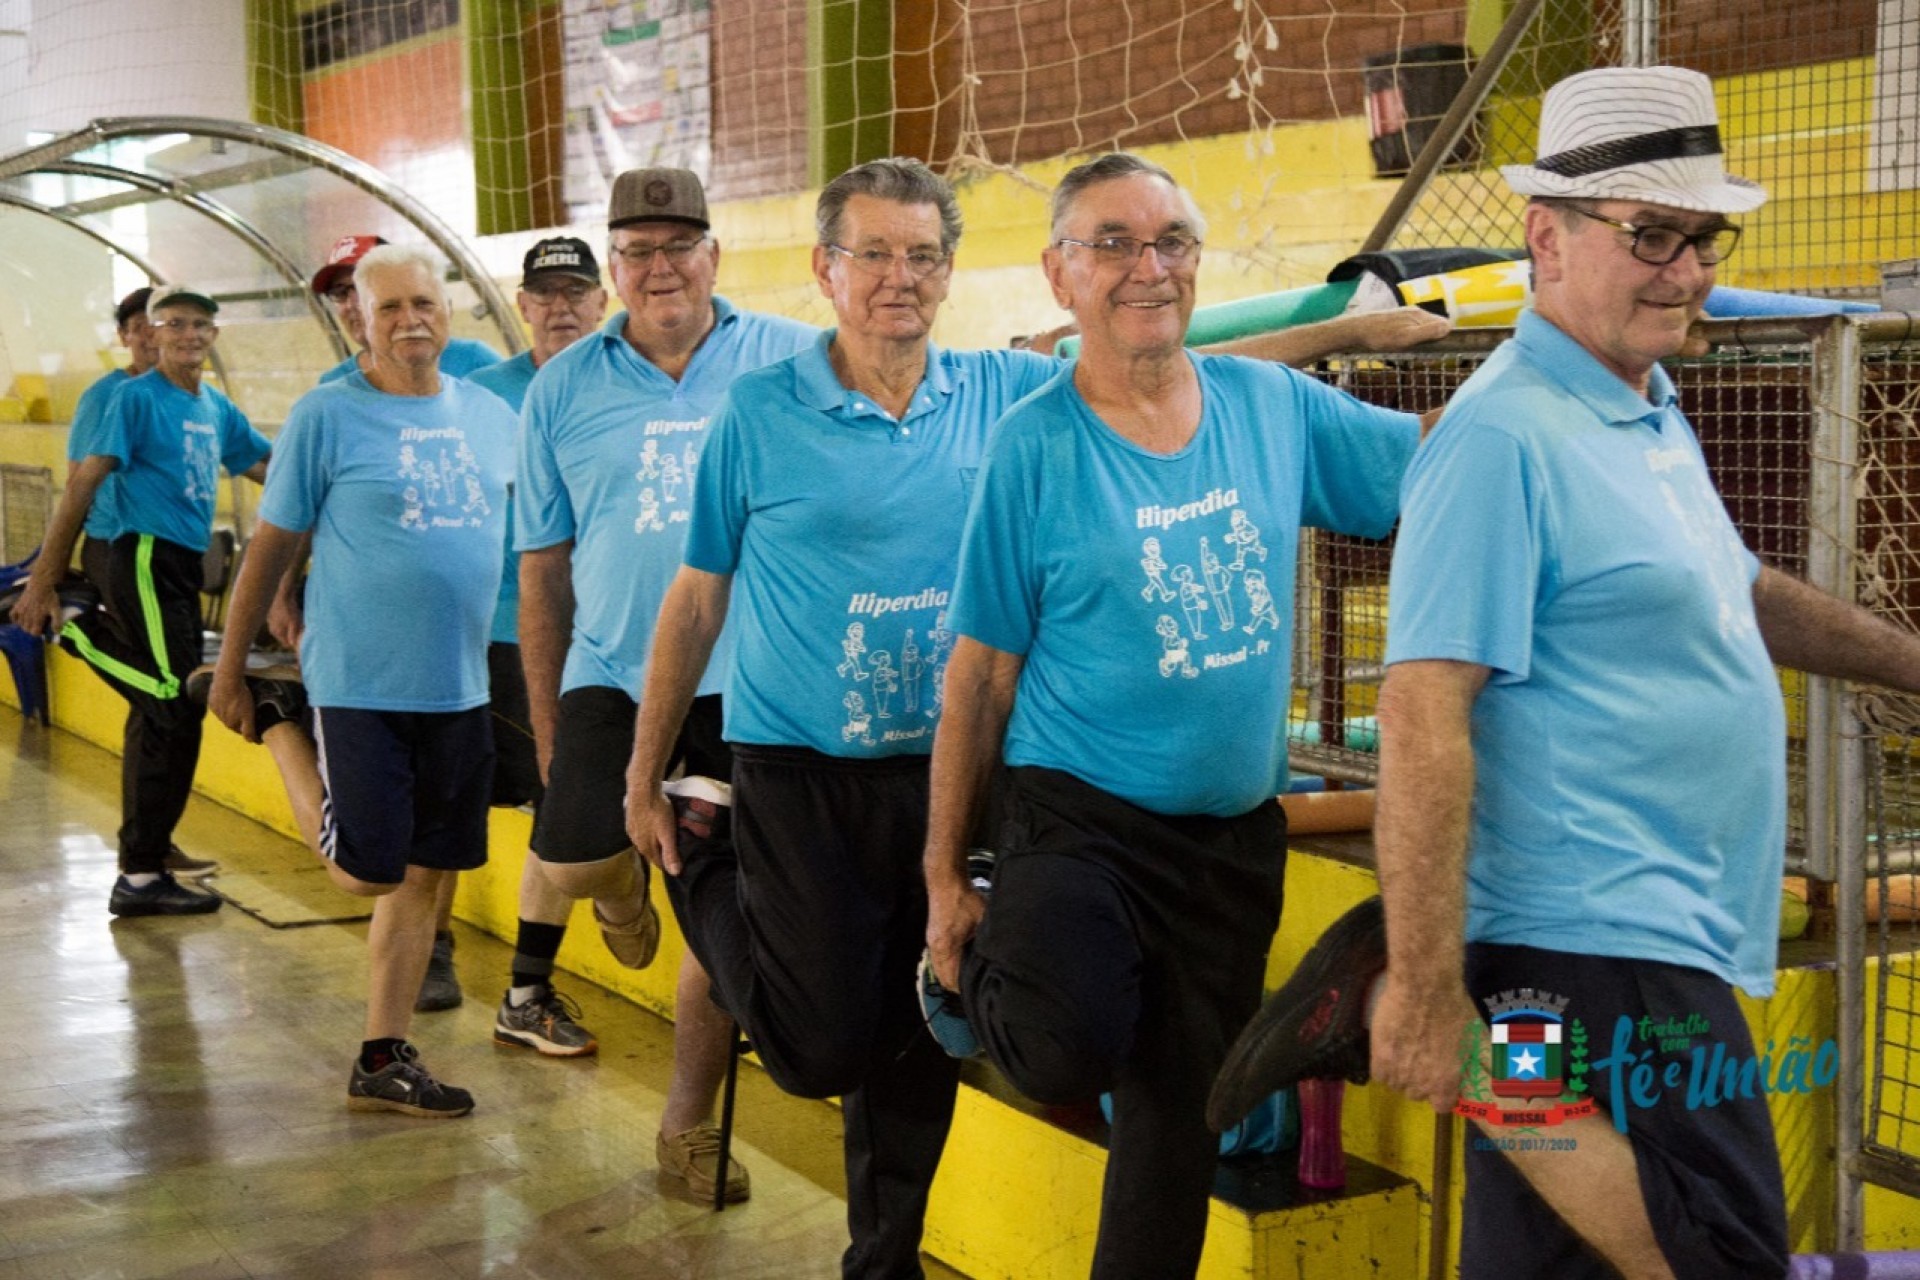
{"x":153,"y":591}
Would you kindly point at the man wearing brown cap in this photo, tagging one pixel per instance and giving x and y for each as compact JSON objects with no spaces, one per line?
{"x":1582,"y":808}
{"x":334,"y":282}
{"x":561,"y":300}
{"x":164,"y":439}
{"x":612,"y":432}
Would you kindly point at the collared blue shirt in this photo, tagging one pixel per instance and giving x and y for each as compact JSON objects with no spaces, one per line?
{"x":171,"y":446}
{"x":1629,"y":746}
{"x":840,"y":526}
{"x":83,"y":439}
{"x":508,"y":379}
{"x":609,"y":450}
{"x":406,"y":498}
{"x":1151,"y":594}
{"x":461,"y":357}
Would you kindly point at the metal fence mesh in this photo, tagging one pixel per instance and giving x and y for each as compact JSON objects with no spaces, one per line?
{"x":26,"y":505}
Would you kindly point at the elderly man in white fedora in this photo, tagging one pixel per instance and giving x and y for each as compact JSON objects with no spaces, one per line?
{"x":1582,"y":793}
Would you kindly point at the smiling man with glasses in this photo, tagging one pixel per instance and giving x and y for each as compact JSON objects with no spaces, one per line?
{"x":826,"y":522}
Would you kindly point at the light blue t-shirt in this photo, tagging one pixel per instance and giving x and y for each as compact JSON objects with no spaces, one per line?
{"x":508,"y":379}
{"x":171,"y":446}
{"x":1629,"y":746}
{"x":608,"y":457}
{"x":406,"y":497}
{"x":83,"y":440}
{"x":461,"y":357}
{"x":841,"y":527}
{"x":1150,"y":594}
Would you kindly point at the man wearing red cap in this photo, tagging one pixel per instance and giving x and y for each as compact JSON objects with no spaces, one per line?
{"x":334,"y":282}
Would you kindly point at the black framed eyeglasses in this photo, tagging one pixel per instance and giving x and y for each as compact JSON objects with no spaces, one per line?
{"x":921,"y":263}
{"x":641,"y":255}
{"x":1124,"y":251}
{"x":1658,"y":246}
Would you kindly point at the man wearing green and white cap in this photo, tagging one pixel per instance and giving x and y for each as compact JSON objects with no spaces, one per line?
{"x":164,"y":438}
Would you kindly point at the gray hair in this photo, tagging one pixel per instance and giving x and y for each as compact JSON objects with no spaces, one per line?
{"x":399,"y":255}
{"x":1106,"y":168}
{"x":901,"y":179}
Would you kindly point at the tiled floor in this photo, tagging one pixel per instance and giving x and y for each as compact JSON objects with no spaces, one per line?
{"x":172,"y":1094}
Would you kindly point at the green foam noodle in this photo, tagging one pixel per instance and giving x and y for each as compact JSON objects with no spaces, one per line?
{"x":1264,"y":313}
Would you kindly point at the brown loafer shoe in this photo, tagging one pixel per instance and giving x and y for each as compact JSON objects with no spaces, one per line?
{"x":634,"y":943}
{"x":694,"y":1158}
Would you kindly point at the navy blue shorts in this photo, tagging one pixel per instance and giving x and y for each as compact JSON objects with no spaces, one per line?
{"x":403,"y":788}
{"x":1710,"y":1175}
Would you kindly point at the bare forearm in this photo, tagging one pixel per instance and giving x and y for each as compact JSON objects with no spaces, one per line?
{"x":76,"y":500}
{"x":980,"y":684}
{"x":268,"y":556}
{"x":690,"y":620}
{"x":546,"y":628}
{"x":1806,"y":628}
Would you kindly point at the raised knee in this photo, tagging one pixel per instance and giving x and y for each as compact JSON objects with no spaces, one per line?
{"x":816,"y":1074}
{"x":359,"y":888}
{"x":601,"y":878}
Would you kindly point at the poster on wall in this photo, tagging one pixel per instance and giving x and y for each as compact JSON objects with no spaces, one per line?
{"x":639,"y":92}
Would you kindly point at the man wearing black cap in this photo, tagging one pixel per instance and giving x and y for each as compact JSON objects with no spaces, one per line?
{"x":611,"y":437}
{"x":164,"y":438}
{"x":561,"y":300}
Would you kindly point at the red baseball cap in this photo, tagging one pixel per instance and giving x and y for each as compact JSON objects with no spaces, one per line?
{"x":346,"y":251}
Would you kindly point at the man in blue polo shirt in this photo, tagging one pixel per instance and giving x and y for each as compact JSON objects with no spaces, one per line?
{"x":614,"y":429}
{"x":401,"y":476}
{"x":1140,"y":864}
{"x":164,"y":438}
{"x":334,"y":282}
{"x":828,"y":504}
{"x":561,"y":300}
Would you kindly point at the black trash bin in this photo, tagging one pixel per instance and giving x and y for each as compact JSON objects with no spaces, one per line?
{"x":1408,"y":90}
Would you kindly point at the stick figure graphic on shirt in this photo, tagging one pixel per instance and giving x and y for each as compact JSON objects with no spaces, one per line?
{"x":1155,"y":568}
{"x":1244,"y":538}
{"x":1173,"y":645}
{"x":1260,"y":603}
{"x":201,"y":463}
{"x":852,"y":645}
{"x":859,"y":724}
{"x":1193,"y":599}
{"x":649,"y":513}
{"x":937,"y":662}
{"x":911,"y":668}
{"x":886,"y":682}
{"x":670,"y":476}
{"x":690,"y":462}
{"x":1219,"y":580}
{"x":476,"y":499}
{"x":649,"y":461}
{"x":411,"y":515}
{"x":430,"y":484}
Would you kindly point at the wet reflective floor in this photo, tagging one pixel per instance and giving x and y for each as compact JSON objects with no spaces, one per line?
{"x":172,"y":1093}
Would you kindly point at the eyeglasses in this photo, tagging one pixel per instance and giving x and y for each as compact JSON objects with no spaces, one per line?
{"x":340,"y":293}
{"x":641,"y":255}
{"x":1124,"y":251}
{"x":186,"y":326}
{"x":549,"y":294}
{"x":1658,"y":246}
{"x":921,"y":263}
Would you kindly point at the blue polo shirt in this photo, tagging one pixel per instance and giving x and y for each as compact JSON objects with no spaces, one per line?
{"x":461,"y":357}
{"x":841,"y":527}
{"x":508,"y":379}
{"x":406,"y":498}
{"x":83,"y":439}
{"x":1629,"y":746}
{"x":171,"y":446}
{"x":1151,"y":594}
{"x":608,"y":456}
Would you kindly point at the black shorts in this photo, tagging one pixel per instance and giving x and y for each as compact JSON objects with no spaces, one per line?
{"x":1710,"y":1175}
{"x":516,"y":765}
{"x":403,"y":788}
{"x":583,"y":817}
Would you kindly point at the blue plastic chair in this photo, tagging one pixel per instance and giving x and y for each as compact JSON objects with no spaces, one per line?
{"x":26,"y":655}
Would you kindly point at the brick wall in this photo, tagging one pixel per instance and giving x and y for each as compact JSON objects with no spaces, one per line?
{"x":759,"y":98}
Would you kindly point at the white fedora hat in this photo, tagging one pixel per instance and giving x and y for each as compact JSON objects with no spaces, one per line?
{"x":1634,"y":133}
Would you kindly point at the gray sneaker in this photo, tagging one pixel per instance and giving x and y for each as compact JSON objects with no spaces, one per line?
{"x":405,"y":1086}
{"x":440,"y":989}
{"x":549,"y":1023}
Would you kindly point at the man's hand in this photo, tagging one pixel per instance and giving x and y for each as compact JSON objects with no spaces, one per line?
{"x":286,"y":621}
{"x":651,"y":825}
{"x":232,"y":704}
{"x":953,"y":915}
{"x":1397,"y":330}
{"x":37,"y":611}
{"x":1417,"y":1038}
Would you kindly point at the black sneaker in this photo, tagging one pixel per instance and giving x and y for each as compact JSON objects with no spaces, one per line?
{"x":405,"y":1086}
{"x":278,"y":695}
{"x":185,"y":865}
{"x":1315,"y":1026}
{"x":440,"y":988}
{"x":164,"y":897}
{"x":703,"y":807}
